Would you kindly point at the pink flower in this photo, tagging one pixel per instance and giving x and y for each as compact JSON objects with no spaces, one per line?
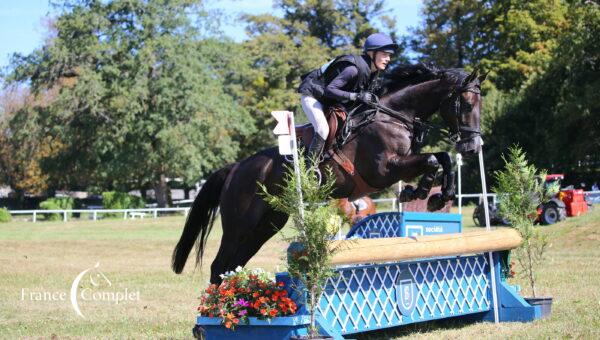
{"x":242,"y":302}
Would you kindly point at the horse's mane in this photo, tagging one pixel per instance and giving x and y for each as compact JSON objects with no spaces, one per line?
{"x":410,"y":74}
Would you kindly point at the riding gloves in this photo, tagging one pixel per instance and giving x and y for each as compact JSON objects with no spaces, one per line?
{"x":365,"y":97}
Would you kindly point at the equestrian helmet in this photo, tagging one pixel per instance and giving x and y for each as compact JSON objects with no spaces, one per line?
{"x":380,"y":42}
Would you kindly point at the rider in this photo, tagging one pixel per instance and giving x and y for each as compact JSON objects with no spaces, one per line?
{"x":343,"y":81}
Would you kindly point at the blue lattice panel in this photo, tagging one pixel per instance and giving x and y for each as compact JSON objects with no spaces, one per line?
{"x":378,"y":225}
{"x":370,"y":297}
{"x":405,"y":224}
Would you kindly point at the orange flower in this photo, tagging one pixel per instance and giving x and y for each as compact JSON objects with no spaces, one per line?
{"x":273,"y":312}
{"x":263,"y":311}
{"x":228,"y":324}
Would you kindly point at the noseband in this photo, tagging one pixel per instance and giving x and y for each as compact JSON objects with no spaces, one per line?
{"x":457,"y":131}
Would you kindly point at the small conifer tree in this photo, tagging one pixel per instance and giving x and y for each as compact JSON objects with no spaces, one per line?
{"x":521,"y":186}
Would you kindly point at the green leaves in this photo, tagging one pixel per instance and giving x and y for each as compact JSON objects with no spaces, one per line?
{"x":521,"y":187}
{"x":137,"y":99}
{"x":310,"y":262}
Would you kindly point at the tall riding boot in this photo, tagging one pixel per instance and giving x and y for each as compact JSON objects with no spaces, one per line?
{"x":315,"y":149}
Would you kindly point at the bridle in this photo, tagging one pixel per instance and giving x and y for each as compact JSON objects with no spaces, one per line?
{"x":456,"y":132}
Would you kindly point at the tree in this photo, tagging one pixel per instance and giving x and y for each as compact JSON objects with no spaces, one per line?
{"x":141,"y":104}
{"x":280,"y":50}
{"x":512,"y":39}
{"x":555,"y":117}
{"x":22,"y":143}
{"x":447,"y":37}
{"x":342,"y":24}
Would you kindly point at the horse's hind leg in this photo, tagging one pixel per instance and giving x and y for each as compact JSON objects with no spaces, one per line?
{"x":271,"y":222}
{"x":239,"y":245}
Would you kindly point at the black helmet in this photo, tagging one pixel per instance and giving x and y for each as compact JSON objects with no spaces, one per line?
{"x":380,"y":42}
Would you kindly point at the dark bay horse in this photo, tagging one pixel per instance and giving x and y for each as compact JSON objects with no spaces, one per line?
{"x":380,"y":154}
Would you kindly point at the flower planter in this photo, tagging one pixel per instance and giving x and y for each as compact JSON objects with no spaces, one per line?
{"x":282,"y":327}
{"x":544,"y":303}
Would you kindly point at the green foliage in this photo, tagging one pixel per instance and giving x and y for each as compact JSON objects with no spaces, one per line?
{"x":4,"y":215}
{"x":57,"y":203}
{"x":522,"y":188}
{"x":310,"y":261}
{"x":337,"y":24}
{"x":121,"y":200}
{"x":136,"y":100}
{"x":280,"y":50}
{"x":512,"y":39}
{"x":555,"y":116}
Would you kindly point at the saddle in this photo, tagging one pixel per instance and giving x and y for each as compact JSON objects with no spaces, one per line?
{"x":336,"y":118}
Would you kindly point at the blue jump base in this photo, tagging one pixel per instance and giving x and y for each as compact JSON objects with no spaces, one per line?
{"x":369,"y":297}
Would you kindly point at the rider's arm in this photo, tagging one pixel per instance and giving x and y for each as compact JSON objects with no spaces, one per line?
{"x":334,"y":89}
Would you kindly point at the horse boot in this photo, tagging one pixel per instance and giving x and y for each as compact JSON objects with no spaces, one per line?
{"x":314,"y":151}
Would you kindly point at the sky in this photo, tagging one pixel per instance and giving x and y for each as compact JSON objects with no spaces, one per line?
{"x":22,"y":22}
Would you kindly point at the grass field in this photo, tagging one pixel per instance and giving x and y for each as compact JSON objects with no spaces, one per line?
{"x":45,"y":258}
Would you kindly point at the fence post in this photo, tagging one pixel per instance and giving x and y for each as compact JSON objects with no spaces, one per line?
{"x":95,"y":214}
{"x":155,"y":213}
{"x":125,"y":215}
{"x":34,"y":216}
{"x":64,"y":216}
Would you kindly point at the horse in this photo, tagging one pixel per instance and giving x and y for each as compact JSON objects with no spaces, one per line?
{"x":375,"y":156}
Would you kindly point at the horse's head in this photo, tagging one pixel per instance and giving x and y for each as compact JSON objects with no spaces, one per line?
{"x":461,"y":109}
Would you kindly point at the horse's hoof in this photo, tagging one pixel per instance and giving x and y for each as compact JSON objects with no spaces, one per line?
{"x":407,"y":194}
{"x":435,"y":202}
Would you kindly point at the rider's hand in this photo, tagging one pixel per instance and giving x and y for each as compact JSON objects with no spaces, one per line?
{"x":365,"y":97}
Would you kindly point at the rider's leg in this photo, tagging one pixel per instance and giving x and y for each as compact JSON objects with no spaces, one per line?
{"x":314,"y":112}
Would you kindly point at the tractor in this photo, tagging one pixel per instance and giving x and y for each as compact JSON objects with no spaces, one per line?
{"x":567,"y":202}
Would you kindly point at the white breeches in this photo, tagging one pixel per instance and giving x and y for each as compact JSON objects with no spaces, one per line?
{"x":314,"y":112}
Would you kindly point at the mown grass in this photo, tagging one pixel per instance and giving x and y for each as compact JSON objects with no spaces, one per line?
{"x":136,"y":255}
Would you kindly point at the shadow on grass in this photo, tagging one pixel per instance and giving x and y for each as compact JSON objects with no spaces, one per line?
{"x":412,"y":329}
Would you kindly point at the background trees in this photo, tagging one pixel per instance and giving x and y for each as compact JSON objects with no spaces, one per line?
{"x":125,"y":94}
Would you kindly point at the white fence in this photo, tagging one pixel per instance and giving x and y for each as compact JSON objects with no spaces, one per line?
{"x":127,"y":213}
{"x":593,"y":197}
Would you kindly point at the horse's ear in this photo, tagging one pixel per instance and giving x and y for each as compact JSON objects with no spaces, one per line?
{"x":482,"y":77}
{"x":471,"y":76}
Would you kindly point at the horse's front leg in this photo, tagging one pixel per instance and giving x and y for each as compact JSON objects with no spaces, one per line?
{"x":414,"y":165}
{"x":437,"y":201}
{"x":428,"y":165}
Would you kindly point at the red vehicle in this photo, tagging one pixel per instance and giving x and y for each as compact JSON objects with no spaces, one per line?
{"x":567,"y":202}
{"x":574,"y":198}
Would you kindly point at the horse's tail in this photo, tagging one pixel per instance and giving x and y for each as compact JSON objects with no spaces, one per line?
{"x":200,"y":219}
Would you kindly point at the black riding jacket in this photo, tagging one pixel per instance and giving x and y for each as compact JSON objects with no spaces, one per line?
{"x":347,"y":75}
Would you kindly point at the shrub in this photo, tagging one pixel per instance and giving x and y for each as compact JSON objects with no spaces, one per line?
{"x":309,"y":257}
{"x":121,"y":200}
{"x":56,"y":203}
{"x":523,"y":190}
{"x":4,"y":215}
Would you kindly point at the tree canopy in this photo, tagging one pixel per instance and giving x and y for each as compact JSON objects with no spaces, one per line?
{"x":125,"y":94}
